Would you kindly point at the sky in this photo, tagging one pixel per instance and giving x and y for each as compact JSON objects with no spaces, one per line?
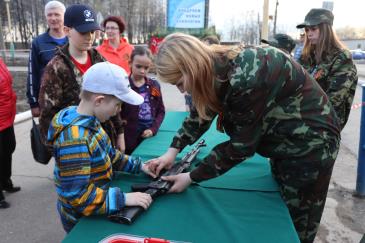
{"x":290,"y":12}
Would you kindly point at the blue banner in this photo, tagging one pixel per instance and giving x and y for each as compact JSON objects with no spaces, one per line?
{"x":186,"y":13}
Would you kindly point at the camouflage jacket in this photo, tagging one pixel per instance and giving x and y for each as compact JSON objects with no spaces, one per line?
{"x":60,"y":88}
{"x":270,"y":106}
{"x":337,"y":75}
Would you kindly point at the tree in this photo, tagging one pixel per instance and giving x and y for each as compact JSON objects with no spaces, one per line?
{"x":247,"y":30}
{"x":350,"y":33}
{"x":28,"y":20}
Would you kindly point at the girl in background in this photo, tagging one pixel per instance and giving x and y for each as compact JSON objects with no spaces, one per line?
{"x":329,"y":61}
{"x":142,"y":121}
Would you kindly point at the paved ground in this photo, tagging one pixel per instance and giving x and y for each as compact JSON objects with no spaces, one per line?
{"x":32,"y":216}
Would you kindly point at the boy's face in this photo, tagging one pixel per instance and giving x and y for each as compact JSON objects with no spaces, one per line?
{"x":80,"y":41}
{"x":106,"y":107}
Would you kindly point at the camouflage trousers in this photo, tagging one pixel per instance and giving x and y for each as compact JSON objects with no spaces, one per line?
{"x":303,"y":184}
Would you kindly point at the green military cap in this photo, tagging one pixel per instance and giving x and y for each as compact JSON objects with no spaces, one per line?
{"x":281,"y":41}
{"x":317,"y":16}
{"x":211,"y":39}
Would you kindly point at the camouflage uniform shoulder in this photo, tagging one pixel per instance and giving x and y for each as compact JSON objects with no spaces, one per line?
{"x":252,"y":62}
{"x":96,"y":57}
{"x":58,"y":64}
{"x":346,"y":53}
{"x":256,"y":53}
{"x":340,"y":54}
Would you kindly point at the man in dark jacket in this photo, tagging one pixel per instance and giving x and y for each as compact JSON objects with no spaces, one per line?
{"x":43,"y":49}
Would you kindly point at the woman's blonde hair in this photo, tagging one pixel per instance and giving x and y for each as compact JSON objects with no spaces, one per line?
{"x":185,"y":56}
{"x":328,"y":43}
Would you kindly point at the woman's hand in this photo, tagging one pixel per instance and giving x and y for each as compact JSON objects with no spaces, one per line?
{"x":138,"y":199}
{"x":181,"y":181}
{"x":165,"y":161}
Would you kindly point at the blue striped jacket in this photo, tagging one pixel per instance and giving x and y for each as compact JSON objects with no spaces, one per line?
{"x":85,"y":161}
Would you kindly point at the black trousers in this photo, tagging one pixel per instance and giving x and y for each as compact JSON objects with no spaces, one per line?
{"x":7,"y":147}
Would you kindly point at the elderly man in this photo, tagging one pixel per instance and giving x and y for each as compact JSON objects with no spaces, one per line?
{"x":43,"y":49}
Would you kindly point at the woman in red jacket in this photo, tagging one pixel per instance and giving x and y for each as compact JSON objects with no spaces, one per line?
{"x":7,"y":136}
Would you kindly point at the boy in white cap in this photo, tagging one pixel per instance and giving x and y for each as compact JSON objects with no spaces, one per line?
{"x":85,"y":158}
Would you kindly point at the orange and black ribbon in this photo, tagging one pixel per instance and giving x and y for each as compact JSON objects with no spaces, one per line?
{"x":155,"y":92}
{"x":220,"y":127}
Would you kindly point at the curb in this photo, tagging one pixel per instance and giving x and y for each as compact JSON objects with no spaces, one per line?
{"x":21,"y":117}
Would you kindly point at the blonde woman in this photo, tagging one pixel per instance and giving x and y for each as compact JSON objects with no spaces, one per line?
{"x":266,"y":104}
{"x":329,"y":61}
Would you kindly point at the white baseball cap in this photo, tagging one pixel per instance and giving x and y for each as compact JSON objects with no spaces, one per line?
{"x":110,"y":79}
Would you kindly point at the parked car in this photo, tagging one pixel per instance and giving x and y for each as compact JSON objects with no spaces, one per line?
{"x":357,"y":54}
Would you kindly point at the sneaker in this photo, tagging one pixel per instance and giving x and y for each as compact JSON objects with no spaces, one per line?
{"x":4,"y":204}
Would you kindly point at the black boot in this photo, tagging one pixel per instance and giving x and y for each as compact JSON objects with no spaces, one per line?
{"x":9,"y":187}
{"x":3,"y":203}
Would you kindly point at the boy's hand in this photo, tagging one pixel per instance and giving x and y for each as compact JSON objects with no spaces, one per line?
{"x":147,"y":133}
{"x":146,"y":170}
{"x":138,"y":199}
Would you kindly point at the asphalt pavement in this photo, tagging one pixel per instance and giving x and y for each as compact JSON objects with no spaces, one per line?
{"x":32,"y":216}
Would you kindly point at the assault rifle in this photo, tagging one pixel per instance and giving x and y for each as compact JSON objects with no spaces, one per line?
{"x":156,"y":188}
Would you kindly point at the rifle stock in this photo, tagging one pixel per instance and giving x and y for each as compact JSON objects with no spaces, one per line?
{"x":128,"y":214}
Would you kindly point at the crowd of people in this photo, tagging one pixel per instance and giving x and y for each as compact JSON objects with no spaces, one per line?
{"x":96,"y":105}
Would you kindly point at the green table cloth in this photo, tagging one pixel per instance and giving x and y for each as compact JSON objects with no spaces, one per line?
{"x":243,"y":205}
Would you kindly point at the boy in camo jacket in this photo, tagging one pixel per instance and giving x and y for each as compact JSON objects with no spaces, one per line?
{"x":62,"y":77}
{"x":267,"y":104}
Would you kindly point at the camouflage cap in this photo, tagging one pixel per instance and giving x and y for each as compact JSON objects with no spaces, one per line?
{"x":317,"y":16}
{"x":282,"y":41}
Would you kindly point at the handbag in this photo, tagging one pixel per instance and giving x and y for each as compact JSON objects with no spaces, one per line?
{"x":41,"y":152}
